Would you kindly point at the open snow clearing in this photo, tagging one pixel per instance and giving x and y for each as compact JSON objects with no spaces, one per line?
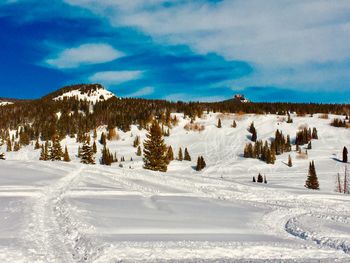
{"x":70,"y":212}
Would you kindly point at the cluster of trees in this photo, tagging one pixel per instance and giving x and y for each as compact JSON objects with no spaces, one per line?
{"x":305,"y":135}
{"x":339,"y":123}
{"x":267,"y":152}
{"x":40,"y":118}
{"x":53,"y":151}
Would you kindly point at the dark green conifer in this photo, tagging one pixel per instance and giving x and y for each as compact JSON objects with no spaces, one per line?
{"x":187,"y":156}
{"x":312,"y":180}
{"x":180,"y":156}
{"x":154,"y":151}
{"x":66,"y":157}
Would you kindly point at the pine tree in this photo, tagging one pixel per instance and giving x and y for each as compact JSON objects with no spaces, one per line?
{"x":199,"y":164}
{"x":187,"y":156}
{"x":86,"y":154}
{"x":170,"y":154}
{"x":312,"y":180}
{"x":66,"y":157}
{"x":107,"y":157}
{"x":2,"y":156}
{"x":234,"y":124}
{"x":56,"y":152}
{"x":254,"y":135}
{"x":9,"y":145}
{"x":314,"y":134}
{"x":103,"y":138}
{"x":44,"y":154}
{"x":94,"y":147}
{"x":139,"y":152}
{"x":136,"y":141}
{"x":154,"y":151}
{"x":95,"y":134}
{"x":290,"y":164}
{"x":345,"y":155}
{"x":219,"y":123}
{"x":260,"y":178}
{"x":37,"y":145}
{"x":180,"y":156}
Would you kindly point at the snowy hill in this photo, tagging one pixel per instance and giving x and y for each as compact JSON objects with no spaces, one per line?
{"x":70,"y":212}
{"x":92,"y":93}
{"x":4,"y":103}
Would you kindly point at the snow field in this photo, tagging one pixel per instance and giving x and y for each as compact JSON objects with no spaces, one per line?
{"x":68,"y":212}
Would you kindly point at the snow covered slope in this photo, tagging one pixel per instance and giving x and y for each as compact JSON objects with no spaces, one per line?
{"x":69,"y":212}
{"x":4,"y":103}
{"x":95,"y":94}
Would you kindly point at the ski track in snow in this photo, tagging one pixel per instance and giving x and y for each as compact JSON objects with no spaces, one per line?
{"x":52,"y":229}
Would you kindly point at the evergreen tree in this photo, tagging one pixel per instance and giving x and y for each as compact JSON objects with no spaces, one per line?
{"x":154,"y":151}
{"x":8,"y":145}
{"x":254,"y":135}
{"x":139,"y":152}
{"x":312,"y":180}
{"x":37,"y":145}
{"x":234,"y":124}
{"x":56,"y":152}
{"x":290,"y":164}
{"x":94,"y":147}
{"x":187,"y":156}
{"x":260,"y":178}
{"x":345,"y":155}
{"x":86,"y":154}
{"x":103,"y":138}
{"x":309,"y":146}
{"x":180,"y":156}
{"x":219,"y":123}
{"x":2,"y":156}
{"x":314,"y":134}
{"x":136,"y":141}
{"x":170,"y":154}
{"x":44,"y":154}
{"x":254,"y":180}
{"x":107,"y":157}
{"x":199,"y":164}
{"x":66,"y":157}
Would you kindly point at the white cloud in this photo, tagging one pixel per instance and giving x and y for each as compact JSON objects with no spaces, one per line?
{"x":141,"y":92}
{"x":264,"y":32}
{"x":270,"y":34}
{"x":115,"y":77}
{"x":91,"y":53}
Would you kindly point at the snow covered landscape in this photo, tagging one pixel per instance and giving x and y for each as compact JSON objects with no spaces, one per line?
{"x":71,"y":212}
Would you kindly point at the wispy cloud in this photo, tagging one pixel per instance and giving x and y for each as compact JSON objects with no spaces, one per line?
{"x":142,"y":92}
{"x":91,"y":53}
{"x":115,"y":77}
{"x":273,"y":36}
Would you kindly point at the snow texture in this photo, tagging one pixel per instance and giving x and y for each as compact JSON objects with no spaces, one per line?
{"x":69,"y":212}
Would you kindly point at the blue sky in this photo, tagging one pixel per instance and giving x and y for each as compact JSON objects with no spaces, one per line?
{"x":288,"y":50}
